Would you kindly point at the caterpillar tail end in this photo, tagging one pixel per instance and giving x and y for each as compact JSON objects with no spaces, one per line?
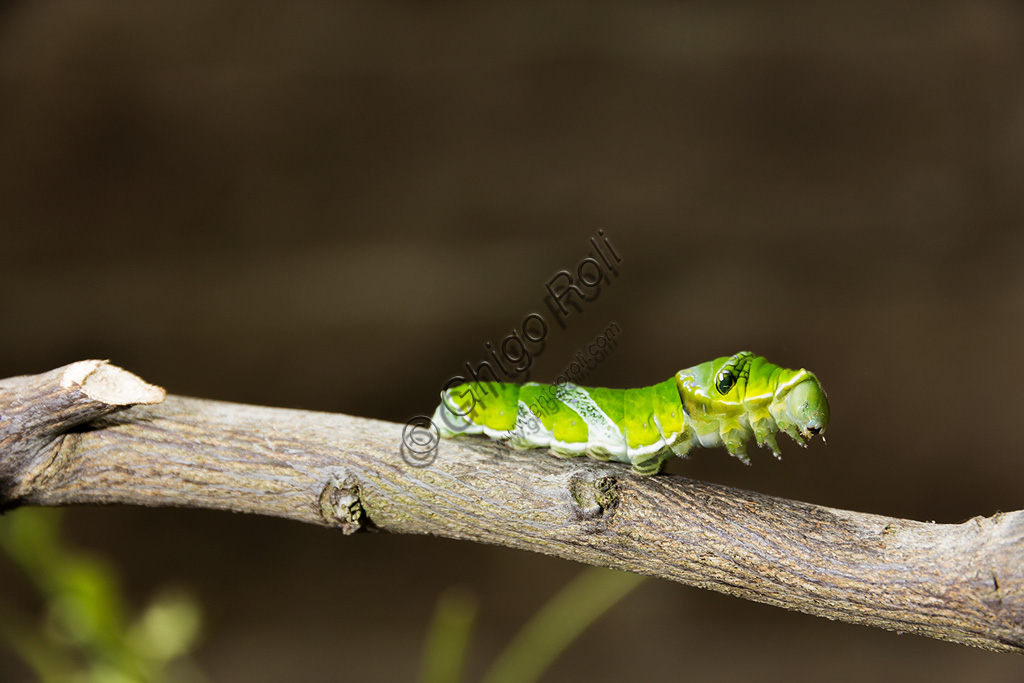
{"x":448,"y":422}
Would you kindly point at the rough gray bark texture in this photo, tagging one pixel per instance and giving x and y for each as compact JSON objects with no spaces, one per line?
{"x":93,"y":433}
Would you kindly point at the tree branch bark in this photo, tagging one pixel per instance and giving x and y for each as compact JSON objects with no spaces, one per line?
{"x":92,"y":433}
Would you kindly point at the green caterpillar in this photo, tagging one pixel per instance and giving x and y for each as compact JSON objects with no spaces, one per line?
{"x":720,"y":402}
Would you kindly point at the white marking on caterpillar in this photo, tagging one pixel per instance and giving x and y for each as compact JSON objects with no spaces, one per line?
{"x":604,"y":437}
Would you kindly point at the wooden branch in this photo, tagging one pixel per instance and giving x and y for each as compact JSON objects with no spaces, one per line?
{"x":70,"y":437}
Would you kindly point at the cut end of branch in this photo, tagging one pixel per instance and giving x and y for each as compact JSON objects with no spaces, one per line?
{"x":109,"y":384}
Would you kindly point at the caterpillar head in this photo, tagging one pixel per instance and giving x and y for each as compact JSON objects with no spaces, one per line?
{"x":729,"y":398}
{"x":801,"y":406}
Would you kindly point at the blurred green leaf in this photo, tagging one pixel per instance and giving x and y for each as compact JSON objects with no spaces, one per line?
{"x":169,"y":627}
{"x":448,"y":638}
{"x":561,"y":621}
{"x":85,"y":635}
{"x":540,"y":642}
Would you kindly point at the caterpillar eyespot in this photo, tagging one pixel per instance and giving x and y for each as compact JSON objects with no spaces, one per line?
{"x":725,"y":382}
{"x":645,"y":426}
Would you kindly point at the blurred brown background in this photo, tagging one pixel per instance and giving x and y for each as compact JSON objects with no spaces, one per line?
{"x":333,"y":206}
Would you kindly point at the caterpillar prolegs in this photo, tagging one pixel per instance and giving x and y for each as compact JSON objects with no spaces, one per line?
{"x":721,"y":402}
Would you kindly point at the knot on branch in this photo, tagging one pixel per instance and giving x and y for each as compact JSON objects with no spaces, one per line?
{"x":341,"y":504}
{"x":593,"y":494}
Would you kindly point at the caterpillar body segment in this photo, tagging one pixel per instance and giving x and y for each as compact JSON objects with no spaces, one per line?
{"x":721,"y":402}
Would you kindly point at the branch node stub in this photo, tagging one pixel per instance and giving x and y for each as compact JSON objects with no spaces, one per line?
{"x":341,"y":504}
{"x":108,"y":384}
{"x":593,"y":494}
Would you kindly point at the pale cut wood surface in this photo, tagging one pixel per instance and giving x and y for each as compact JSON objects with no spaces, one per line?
{"x":92,"y":433}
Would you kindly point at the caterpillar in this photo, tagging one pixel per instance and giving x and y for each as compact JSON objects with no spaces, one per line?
{"x":721,"y":402}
